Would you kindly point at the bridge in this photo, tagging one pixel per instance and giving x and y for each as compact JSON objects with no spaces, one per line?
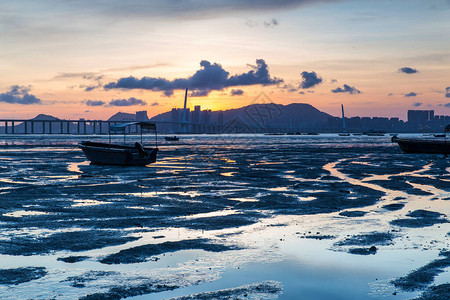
{"x":87,"y":127}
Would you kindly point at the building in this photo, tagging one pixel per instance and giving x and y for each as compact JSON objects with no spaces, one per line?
{"x":141,"y":115}
{"x":420,"y":116}
{"x":196,"y":115}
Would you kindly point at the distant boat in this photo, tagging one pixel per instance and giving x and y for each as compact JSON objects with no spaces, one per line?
{"x":431,"y":146}
{"x":374,"y":133}
{"x":171,"y":138}
{"x":127,"y":155}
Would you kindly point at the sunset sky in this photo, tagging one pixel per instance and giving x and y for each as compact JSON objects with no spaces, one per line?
{"x":93,"y":58}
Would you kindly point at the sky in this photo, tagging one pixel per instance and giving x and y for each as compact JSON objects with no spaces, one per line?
{"x":90,"y":59}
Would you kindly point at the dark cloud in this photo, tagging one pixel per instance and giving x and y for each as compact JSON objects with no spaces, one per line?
{"x":95,"y":103}
{"x":346,"y":89}
{"x":408,"y":70}
{"x":237,"y":92}
{"x":210,"y":77}
{"x":447,"y":92}
{"x":272,"y":23}
{"x":447,"y":104}
{"x":390,"y":94}
{"x":412,"y":94}
{"x":97,"y":82}
{"x":310,"y":79}
{"x":127,"y":102}
{"x":199,"y":93}
{"x":155,"y":104}
{"x":417,"y":104}
{"x":89,"y":88}
{"x":19,"y":95}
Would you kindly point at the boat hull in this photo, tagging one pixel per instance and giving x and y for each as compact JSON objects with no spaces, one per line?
{"x":423,"y":146}
{"x":110,"y":154}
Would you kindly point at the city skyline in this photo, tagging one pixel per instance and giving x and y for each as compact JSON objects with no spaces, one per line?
{"x":378,"y":58}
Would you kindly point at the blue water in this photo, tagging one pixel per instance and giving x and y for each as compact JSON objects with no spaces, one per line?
{"x":220,"y":212}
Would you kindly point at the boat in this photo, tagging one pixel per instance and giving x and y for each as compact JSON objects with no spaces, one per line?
{"x":374,"y":133}
{"x":431,"y":146}
{"x":126,"y":155}
{"x":171,"y":138}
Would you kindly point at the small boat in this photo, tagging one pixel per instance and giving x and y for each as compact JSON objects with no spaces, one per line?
{"x":344,"y":134}
{"x":431,"y":146}
{"x":171,"y":138}
{"x":374,"y":133}
{"x":125,"y":155}
{"x":440,"y":135}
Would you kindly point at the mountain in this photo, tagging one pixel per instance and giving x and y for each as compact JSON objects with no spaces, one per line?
{"x":44,"y":117}
{"x":120,"y":117}
{"x":271,"y":115}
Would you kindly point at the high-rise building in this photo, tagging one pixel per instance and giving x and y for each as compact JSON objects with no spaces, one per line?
{"x":220,"y":120}
{"x":196,"y":116}
{"x":141,"y":116}
{"x":420,"y":116}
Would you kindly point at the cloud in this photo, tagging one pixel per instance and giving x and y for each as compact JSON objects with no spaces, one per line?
{"x":310,"y":79}
{"x":418,"y":104}
{"x":408,"y":70}
{"x":74,"y":75}
{"x":97,"y":79}
{"x":155,"y":104}
{"x":199,"y":93}
{"x":127,"y":102}
{"x":19,"y":95}
{"x":447,"y":104}
{"x":210,"y":77}
{"x":95,"y":103}
{"x":170,"y":9}
{"x":272,"y":23}
{"x":268,"y":24}
{"x":412,"y":94}
{"x":346,"y":89}
{"x":447,"y":92}
{"x":237,"y":92}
